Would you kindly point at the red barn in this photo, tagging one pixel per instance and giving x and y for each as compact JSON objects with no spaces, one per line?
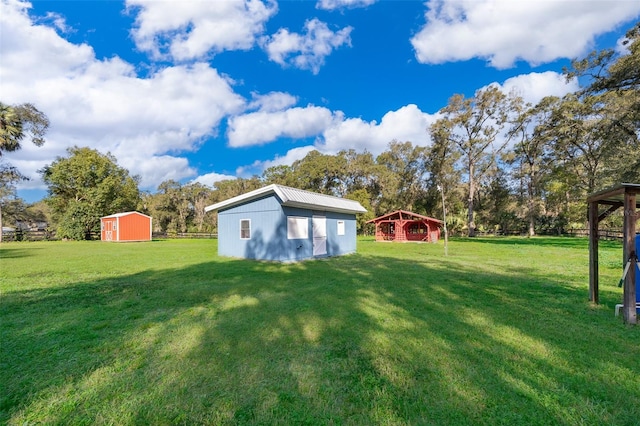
{"x":129,"y":226}
{"x":403,"y":226}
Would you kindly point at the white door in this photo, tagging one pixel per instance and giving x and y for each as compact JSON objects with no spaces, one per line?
{"x":319,"y":235}
{"x":108,"y":231}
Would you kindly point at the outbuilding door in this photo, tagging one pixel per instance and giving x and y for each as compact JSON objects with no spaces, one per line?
{"x":108,"y":230}
{"x":319,"y":235}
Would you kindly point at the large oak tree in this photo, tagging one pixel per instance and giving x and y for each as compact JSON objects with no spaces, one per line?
{"x":85,"y":186}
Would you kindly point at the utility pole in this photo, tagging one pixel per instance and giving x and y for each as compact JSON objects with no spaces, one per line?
{"x":444,"y":215}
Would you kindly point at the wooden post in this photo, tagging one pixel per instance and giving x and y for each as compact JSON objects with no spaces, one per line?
{"x":593,"y":253}
{"x":629,"y":298}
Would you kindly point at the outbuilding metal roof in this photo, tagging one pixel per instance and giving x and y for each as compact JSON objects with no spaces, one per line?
{"x":293,"y":197}
{"x":124,"y":214}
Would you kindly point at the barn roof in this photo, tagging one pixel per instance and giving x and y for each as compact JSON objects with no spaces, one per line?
{"x":124,"y":214}
{"x":407,"y":216}
{"x":293,"y":197}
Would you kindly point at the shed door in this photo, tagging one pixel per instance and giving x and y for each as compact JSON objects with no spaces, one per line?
{"x":319,"y":235}
{"x":108,"y":230}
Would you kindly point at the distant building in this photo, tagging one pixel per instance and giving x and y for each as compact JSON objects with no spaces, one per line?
{"x":404,"y":226}
{"x":286,"y":224}
{"x":128,"y":226}
{"x":31,"y":225}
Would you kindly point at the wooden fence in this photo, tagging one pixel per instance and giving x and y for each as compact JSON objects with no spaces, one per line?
{"x":181,"y":235}
{"x":20,"y":235}
{"x":605,"y":234}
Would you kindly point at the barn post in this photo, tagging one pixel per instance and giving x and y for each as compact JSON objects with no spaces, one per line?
{"x":593,"y":253}
{"x":629,"y":298}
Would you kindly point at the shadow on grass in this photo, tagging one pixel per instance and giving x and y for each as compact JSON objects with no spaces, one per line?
{"x":12,"y":253}
{"x":360,"y":339}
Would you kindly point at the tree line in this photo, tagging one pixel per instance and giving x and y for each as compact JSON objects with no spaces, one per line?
{"x":499,"y":163}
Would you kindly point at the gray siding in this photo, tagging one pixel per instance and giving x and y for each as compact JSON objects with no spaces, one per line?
{"x":269,"y":232}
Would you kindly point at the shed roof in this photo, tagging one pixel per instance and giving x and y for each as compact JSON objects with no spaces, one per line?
{"x":615,"y":195}
{"x":124,"y":214}
{"x":293,"y":197}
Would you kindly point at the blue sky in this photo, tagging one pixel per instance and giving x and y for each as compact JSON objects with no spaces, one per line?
{"x":207,"y":90}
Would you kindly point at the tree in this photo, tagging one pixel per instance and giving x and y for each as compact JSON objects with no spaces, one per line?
{"x":281,"y":175}
{"x":173,"y":206}
{"x":496,"y":209}
{"x":611,"y":70}
{"x":444,"y":180}
{"x":16,"y":123}
{"x":361,"y":172}
{"x":199,"y":197}
{"x":402,"y":175}
{"x":179,"y":208}
{"x":613,"y":76}
{"x":320,"y":173}
{"x":579,"y":141}
{"x":472,"y":126}
{"x":362,"y":196}
{"x":8,"y":177}
{"x":230,"y":188}
{"x":529,"y":154}
{"x":85,"y":186}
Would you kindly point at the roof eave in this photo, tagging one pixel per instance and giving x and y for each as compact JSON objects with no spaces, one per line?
{"x":323,"y":208}
{"x":615,"y":194}
{"x":125,"y":214}
{"x":285,"y":201}
{"x":251,"y":195}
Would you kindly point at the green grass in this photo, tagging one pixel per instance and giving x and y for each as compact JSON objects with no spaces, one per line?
{"x":499,"y":332}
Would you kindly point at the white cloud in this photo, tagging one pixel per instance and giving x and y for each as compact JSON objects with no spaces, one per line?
{"x":535,"y":86}
{"x":505,"y":31}
{"x":211,"y":178}
{"x":26,"y":47}
{"x":305,"y":51}
{"x":273,"y":101}
{"x":288,"y":159}
{"x":144,"y":122}
{"x":338,"y":4}
{"x":335,"y":133}
{"x":157,"y":169}
{"x":261,"y":127}
{"x":58,"y":21}
{"x":405,"y":124}
{"x":194,"y":29}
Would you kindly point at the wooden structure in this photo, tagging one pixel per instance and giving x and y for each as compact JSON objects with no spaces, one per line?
{"x":624,"y":195}
{"x":128,"y":226}
{"x":404,"y":226}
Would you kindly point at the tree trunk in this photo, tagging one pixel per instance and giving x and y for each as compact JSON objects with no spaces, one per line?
{"x":532,"y":219}
{"x":532,"y":226}
{"x":472,"y":188}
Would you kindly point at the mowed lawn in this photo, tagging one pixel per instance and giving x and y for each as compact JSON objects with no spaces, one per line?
{"x":499,"y":332}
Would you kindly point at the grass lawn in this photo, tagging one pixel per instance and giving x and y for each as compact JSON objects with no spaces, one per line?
{"x":499,"y":332}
